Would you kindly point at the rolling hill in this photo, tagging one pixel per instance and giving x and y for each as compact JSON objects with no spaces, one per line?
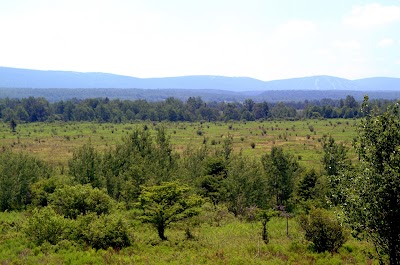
{"x":27,"y":78}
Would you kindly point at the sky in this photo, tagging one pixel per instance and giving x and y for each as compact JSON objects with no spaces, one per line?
{"x":263,"y":39}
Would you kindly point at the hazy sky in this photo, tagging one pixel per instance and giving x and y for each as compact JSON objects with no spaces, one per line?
{"x":264,"y":39}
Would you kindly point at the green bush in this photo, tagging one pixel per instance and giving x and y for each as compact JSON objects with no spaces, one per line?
{"x":72,"y":201}
{"x":105,"y":231}
{"x":42,"y":189}
{"x":323,"y":230}
{"x":45,"y":225}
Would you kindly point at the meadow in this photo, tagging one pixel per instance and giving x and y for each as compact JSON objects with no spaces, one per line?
{"x":55,"y":142}
{"x":216,"y":235}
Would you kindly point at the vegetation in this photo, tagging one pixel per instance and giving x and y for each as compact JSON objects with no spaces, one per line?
{"x":280,"y":169}
{"x":372,"y":190}
{"x":323,"y":230}
{"x":167,"y":203}
{"x":165,"y":193}
{"x":171,"y":109}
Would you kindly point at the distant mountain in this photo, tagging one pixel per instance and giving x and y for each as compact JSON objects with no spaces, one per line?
{"x":26,"y":78}
{"x":322,"y":82}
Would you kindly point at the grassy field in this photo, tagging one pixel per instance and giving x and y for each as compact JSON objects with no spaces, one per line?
{"x":55,"y":142}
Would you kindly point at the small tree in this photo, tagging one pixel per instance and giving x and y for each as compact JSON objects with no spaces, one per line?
{"x":306,"y":186}
{"x":280,"y":169}
{"x":168,"y":203}
{"x":265,"y":216}
{"x":13,"y":125}
{"x":85,"y":166}
{"x":213,"y":183}
{"x":335,"y":162}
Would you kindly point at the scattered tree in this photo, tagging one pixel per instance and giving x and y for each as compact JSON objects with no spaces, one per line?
{"x":168,"y":203}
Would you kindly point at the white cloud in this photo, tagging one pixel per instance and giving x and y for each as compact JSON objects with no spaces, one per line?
{"x":385,"y":42}
{"x":347,"y":45}
{"x":372,"y":15}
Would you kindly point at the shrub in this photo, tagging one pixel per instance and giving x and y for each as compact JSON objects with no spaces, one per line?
{"x":42,"y":189}
{"x":45,"y":225}
{"x":102,"y":232}
{"x":72,"y":201}
{"x":323,"y":230}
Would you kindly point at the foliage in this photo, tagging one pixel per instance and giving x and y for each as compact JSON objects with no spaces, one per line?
{"x":212,"y":185}
{"x":140,"y":159}
{"x":33,"y":109}
{"x":98,"y":231}
{"x":43,"y":188}
{"x":245,"y":186}
{"x":104,"y":231}
{"x":307,"y":185}
{"x":372,"y":202}
{"x":335,"y":157}
{"x":265,"y":216}
{"x":17,"y":173}
{"x":335,"y":162}
{"x":323,"y":230}
{"x":280,"y":169}
{"x":72,"y":201}
{"x":219,"y":235}
{"x":45,"y":225}
{"x":166,"y":204}
{"x":85,"y":166}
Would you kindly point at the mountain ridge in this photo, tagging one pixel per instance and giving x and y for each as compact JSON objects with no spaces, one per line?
{"x":29,"y":78}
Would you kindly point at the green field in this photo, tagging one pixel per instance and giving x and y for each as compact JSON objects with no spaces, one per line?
{"x":55,"y":142}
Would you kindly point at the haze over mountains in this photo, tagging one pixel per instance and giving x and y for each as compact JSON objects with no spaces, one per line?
{"x":26,"y":78}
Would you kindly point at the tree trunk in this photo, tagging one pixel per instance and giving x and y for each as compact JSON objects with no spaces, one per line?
{"x":265,"y":232}
{"x":161,"y":230}
{"x":393,"y":259}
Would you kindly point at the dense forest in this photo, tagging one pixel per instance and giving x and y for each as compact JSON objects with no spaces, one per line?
{"x":193,"y":109}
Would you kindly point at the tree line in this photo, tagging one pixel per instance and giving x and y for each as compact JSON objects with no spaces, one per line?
{"x":193,"y":109}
